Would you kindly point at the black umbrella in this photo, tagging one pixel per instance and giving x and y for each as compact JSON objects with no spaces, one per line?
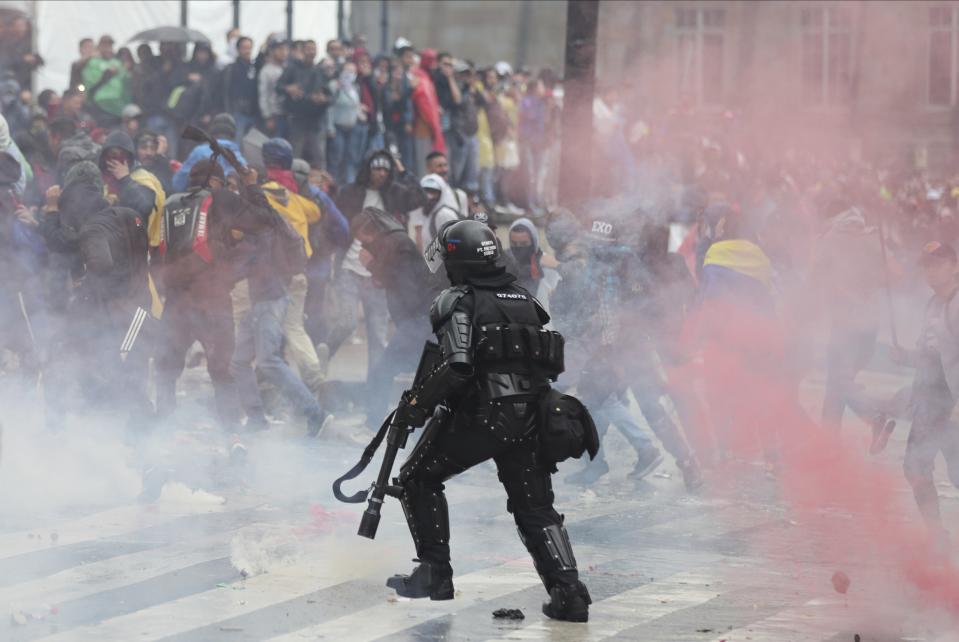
{"x":171,"y":34}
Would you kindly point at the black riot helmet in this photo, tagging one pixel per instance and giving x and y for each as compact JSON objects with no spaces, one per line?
{"x":465,"y":248}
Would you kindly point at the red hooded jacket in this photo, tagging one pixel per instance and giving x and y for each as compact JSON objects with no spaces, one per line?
{"x":425,"y":102}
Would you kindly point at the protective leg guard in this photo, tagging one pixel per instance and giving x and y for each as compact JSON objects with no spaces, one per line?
{"x":432,"y":580}
{"x":552,"y":556}
{"x":427,"y":515}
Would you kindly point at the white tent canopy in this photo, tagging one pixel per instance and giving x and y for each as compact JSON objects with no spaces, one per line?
{"x":59,"y":26}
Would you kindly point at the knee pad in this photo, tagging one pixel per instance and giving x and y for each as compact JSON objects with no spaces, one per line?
{"x":532,"y":490}
{"x":427,"y":513}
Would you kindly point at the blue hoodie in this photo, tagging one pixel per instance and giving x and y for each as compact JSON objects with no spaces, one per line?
{"x":181,"y":180}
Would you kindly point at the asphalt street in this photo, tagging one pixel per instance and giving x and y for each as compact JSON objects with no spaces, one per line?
{"x":259,"y":550}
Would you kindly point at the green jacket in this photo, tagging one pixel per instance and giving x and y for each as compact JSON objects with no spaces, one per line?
{"x":114,"y":95}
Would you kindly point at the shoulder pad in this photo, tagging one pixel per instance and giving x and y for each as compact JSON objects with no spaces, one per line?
{"x":444,"y":304}
{"x":540,"y":310}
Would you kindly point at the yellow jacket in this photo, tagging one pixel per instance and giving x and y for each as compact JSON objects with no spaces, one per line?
{"x":154,"y":223}
{"x":297,"y":210}
{"x":155,"y":220}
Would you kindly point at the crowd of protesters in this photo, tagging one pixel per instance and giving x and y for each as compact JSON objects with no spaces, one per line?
{"x":496,"y":127}
{"x":156,"y":240}
{"x":123,"y":242}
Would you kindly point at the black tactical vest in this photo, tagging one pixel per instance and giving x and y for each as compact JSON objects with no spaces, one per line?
{"x":510,"y":338}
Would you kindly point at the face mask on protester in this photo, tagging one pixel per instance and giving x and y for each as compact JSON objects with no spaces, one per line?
{"x":347,"y":77}
{"x":523,"y":253}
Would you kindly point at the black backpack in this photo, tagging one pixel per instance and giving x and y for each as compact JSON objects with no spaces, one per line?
{"x":186,"y":227}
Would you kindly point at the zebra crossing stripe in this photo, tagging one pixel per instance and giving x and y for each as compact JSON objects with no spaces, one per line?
{"x":393,"y":616}
{"x":106,"y":524}
{"x":630,"y":608}
{"x":84,"y":580}
{"x":220,"y":602}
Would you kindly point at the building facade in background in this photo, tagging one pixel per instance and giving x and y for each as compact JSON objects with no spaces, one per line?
{"x":874,"y":77}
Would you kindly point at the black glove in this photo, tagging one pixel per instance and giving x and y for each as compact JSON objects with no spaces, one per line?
{"x":409,"y":415}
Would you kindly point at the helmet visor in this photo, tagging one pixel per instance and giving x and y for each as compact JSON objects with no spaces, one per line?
{"x":434,"y":254}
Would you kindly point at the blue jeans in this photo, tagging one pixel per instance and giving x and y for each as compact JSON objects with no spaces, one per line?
{"x":259,"y":336}
{"x":346,"y":152}
{"x":244,"y":123}
{"x":352,"y":291}
{"x":374,"y":143}
{"x":534,"y":158}
{"x":464,"y":162}
{"x":404,"y":145}
{"x":487,"y":185}
{"x":615,"y":410}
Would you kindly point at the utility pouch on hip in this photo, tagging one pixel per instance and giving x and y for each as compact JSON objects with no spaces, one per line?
{"x":566,"y":428}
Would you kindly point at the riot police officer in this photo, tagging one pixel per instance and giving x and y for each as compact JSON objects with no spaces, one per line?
{"x":494,"y":370}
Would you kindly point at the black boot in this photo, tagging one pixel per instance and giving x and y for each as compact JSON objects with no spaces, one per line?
{"x":692,"y":474}
{"x":569,"y":602}
{"x":431,"y":580}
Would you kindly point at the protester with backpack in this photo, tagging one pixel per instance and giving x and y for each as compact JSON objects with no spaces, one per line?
{"x":196,"y":274}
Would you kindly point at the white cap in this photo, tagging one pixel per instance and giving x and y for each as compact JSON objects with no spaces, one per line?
{"x":503,"y":68}
{"x":432,"y":181}
{"x":131,"y":111}
{"x":402,"y":43}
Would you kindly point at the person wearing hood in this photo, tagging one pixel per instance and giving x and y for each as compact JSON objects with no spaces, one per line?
{"x":438,"y":210}
{"x":151,"y":154}
{"x":130,"y":185}
{"x":223,"y":129}
{"x":399,"y":197}
{"x":281,"y":190}
{"x":527,"y":256}
{"x":427,"y":130}
{"x":112,"y":247}
{"x":332,"y":235}
{"x":377,"y":186}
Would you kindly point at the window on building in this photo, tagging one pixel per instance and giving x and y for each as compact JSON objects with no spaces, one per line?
{"x":700,"y":41}
{"x":943,"y":34}
{"x":826,"y":54}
